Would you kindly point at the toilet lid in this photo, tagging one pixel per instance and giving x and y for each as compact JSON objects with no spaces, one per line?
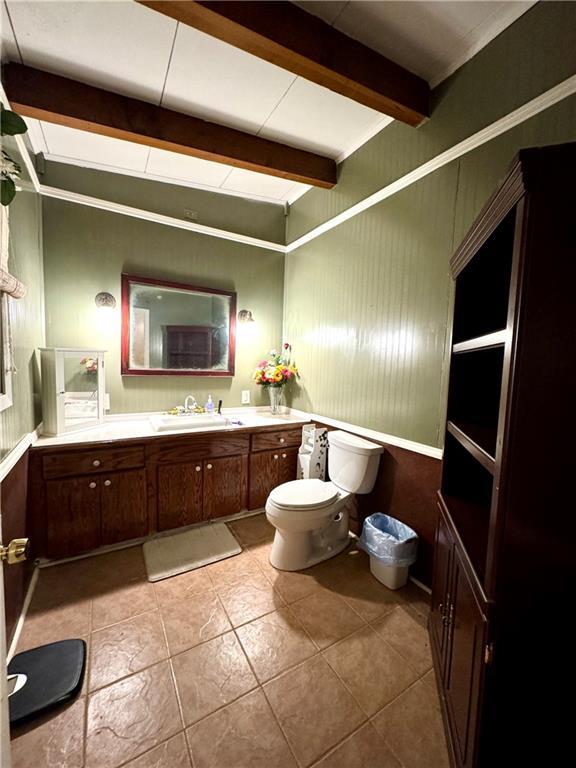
{"x":299,"y":494}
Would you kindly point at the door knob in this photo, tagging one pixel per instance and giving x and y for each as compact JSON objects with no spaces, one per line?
{"x":107,"y":482}
{"x":16,"y":552}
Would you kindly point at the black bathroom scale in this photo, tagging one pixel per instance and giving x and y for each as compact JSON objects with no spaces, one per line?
{"x":45,"y":677}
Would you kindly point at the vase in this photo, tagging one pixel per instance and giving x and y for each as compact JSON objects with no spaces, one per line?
{"x":275,"y":394}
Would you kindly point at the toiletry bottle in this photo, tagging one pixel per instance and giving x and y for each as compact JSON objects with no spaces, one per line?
{"x":209,"y":405}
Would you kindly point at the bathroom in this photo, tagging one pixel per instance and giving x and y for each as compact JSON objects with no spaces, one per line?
{"x":347,"y":267}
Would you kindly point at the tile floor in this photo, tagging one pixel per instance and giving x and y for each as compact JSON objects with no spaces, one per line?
{"x":237,"y":665}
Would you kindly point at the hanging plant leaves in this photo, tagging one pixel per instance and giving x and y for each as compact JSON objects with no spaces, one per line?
{"x":11,"y":123}
{"x":7,"y":191}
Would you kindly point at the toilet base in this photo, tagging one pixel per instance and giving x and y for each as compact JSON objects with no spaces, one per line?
{"x":297,"y":551}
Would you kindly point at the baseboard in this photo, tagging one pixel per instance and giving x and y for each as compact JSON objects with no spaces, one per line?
{"x":19,"y":624}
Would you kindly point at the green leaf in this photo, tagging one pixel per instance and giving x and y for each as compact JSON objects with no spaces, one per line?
{"x":7,"y":191}
{"x":11,"y":123}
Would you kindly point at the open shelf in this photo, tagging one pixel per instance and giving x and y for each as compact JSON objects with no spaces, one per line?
{"x":467,"y":494}
{"x":496,"y":339}
{"x":474,"y":438}
{"x":483,"y":286}
{"x":474,"y":397}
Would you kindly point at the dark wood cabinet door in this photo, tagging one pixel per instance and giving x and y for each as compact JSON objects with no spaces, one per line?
{"x":224,"y":486}
{"x":72,"y":516}
{"x":464,"y":663}
{"x":264,"y":472}
{"x":287,"y":465}
{"x":179,"y":495}
{"x":441,"y":581}
{"x":123,"y":506}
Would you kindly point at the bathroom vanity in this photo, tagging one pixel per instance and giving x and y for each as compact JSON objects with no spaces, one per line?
{"x":92,"y":490}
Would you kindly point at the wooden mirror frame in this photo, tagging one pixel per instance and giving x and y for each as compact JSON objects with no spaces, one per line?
{"x":126,"y":370}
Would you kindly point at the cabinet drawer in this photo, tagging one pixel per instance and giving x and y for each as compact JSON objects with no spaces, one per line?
{"x":97,"y":460}
{"x":197,"y":448}
{"x":263,"y":441}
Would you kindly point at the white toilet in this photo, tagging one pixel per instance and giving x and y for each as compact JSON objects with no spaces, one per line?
{"x":311,"y":516}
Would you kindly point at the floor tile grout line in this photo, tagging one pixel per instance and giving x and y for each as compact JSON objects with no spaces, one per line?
{"x":261,"y":688}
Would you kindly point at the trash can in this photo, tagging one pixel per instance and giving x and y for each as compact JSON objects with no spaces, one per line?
{"x":392,"y":548}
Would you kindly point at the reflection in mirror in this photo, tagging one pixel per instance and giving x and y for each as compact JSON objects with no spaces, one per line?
{"x":177,"y":329}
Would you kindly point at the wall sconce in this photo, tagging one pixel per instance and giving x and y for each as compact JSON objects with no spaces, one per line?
{"x":246,"y":316}
{"x":105,"y":300}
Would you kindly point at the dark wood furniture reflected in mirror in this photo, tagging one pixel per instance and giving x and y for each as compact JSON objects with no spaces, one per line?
{"x":176,"y":329}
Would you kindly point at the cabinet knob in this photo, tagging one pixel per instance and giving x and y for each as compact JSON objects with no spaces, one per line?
{"x":283,"y":455}
{"x":198,"y":469}
{"x":282,"y":440}
{"x":275,"y":455}
{"x":208,"y":466}
{"x":107,"y":482}
{"x":96,"y":463}
{"x":92,"y":485}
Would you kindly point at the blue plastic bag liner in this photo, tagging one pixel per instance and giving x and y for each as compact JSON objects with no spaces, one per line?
{"x":389,"y":540}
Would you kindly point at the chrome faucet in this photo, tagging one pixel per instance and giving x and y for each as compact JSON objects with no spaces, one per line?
{"x":188,"y":408}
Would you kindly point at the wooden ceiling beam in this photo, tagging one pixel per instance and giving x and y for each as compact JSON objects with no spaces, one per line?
{"x":285,"y":35}
{"x":56,"y":99}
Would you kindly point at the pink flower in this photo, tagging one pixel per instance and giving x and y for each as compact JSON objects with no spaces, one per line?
{"x":286,"y":345}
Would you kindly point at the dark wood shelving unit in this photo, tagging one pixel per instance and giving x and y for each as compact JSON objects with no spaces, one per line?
{"x":508,"y":468}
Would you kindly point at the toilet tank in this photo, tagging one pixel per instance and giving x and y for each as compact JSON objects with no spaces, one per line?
{"x":353,"y":462}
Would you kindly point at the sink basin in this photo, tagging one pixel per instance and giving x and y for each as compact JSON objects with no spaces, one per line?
{"x":188,"y":421}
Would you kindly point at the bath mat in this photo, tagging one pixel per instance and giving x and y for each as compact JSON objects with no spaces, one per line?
{"x":170,"y":555}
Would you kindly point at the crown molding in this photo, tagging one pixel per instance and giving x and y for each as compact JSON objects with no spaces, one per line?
{"x":158,"y":218}
{"x":525,"y":112}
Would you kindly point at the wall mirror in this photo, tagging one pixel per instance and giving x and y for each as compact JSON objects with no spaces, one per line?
{"x":176,"y":329}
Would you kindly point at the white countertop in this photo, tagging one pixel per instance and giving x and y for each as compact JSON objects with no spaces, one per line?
{"x":137,"y":425}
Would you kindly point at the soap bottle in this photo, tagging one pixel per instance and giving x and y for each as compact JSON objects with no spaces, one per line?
{"x":209,"y":407}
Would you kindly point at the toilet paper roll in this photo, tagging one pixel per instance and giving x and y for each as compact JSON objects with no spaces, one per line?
{"x":304,"y":465}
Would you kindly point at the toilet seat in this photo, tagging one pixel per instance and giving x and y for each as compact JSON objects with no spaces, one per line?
{"x":304,"y":494}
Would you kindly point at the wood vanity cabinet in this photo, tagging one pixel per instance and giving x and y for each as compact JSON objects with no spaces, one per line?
{"x":84,"y":497}
{"x":504,"y":552}
{"x":270,"y":468}
{"x":83,"y":513}
{"x":198,"y":478}
{"x":189,"y":493}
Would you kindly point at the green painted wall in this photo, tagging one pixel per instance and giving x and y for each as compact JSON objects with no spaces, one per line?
{"x":27,"y":319}
{"x":86,"y":250}
{"x":248,"y":217}
{"x":528,"y":58}
{"x":368,"y":304}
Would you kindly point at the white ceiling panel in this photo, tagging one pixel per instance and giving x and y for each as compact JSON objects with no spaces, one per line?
{"x":8,"y":42}
{"x":215,"y":81}
{"x":121,"y":46}
{"x":175,"y":166}
{"x":430,"y":38}
{"x":319,"y":120}
{"x":89,"y":147}
{"x":260,"y":184}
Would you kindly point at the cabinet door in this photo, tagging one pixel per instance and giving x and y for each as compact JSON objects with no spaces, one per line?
{"x":123,"y":508}
{"x":440,"y":602}
{"x":464,"y":663}
{"x":287,"y":465}
{"x":179,"y":495}
{"x":72,"y":516}
{"x":264,"y":472}
{"x":224,"y":486}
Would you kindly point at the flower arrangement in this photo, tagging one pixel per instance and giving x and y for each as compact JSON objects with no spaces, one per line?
{"x":90,"y":364}
{"x":277,"y":369}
